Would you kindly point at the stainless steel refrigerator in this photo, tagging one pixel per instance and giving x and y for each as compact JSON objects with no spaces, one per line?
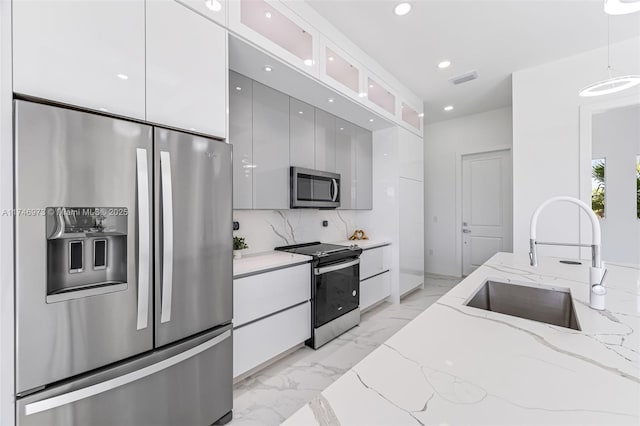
{"x":123,"y":272}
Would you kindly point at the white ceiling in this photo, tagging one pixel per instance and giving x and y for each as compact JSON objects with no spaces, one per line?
{"x":495,"y":38}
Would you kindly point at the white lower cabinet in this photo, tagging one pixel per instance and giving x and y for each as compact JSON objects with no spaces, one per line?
{"x":374,"y":261}
{"x":374,"y":290}
{"x":271,"y":314}
{"x":259,"y":295}
{"x":262,"y":340}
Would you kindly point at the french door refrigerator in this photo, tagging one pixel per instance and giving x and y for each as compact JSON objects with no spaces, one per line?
{"x":123,"y":272}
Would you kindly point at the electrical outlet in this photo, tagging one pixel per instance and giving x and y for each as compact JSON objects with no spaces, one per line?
{"x":430,"y":252}
{"x":325,"y":223}
{"x":236,"y":225}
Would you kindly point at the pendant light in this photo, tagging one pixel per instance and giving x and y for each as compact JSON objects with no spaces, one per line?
{"x":611,"y":84}
{"x":621,"y":7}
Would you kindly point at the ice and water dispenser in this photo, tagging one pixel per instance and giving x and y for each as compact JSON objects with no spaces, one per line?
{"x":86,"y":249}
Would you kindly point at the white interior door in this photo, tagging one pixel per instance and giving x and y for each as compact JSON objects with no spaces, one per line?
{"x":486,"y":207}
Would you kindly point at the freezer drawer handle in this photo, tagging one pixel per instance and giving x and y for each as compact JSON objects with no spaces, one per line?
{"x":98,"y":388}
{"x":167,"y":237}
{"x":144,"y":250}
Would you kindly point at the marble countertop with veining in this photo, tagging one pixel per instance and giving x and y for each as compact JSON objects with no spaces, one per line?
{"x":254,"y":263}
{"x":459,"y":365}
{"x":364,"y":244}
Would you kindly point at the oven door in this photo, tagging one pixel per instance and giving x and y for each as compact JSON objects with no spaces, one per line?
{"x":314,"y":189}
{"x":336,"y":291}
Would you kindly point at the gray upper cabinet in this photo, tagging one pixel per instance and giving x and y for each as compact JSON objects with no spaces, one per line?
{"x":270,"y":148}
{"x":241,"y":137}
{"x":364,"y":169}
{"x":346,"y":162}
{"x":325,"y":149}
{"x":302,"y":135}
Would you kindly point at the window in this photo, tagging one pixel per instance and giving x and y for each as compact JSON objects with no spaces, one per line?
{"x":598,"y":186}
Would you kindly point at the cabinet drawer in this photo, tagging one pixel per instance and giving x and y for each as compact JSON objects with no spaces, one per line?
{"x":263,"y":294}
{"x":374,"y":290}
{"x":262,"y":340}
{"x":374,"y":261}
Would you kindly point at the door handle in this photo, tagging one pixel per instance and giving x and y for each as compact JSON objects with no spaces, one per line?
{"x":167,"y":236}
{"x":334,"y":185}
{"x":144,"y":249}
{"x":466,"y":231}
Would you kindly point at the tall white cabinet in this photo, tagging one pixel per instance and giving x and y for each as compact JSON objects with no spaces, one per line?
{"x":411,"y":210}
{"x":186,"y":69}
{"x":84,"y":53}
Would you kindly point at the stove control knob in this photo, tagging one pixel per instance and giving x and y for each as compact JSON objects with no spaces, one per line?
{"x":353,"y":293}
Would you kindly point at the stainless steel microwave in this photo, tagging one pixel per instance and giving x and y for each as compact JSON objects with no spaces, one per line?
{"x":314,"y":189}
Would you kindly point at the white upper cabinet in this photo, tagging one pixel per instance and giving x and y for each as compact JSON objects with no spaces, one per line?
{"x":411,"y":116}
{"x":339,"y":68}
{"x":270,"y":148}
{"x":186,"y":69}
{"x":84,"y":53}
{"x":241,"y":137}
{"x":325,"y":141}
{"x":381,"y":96}
{"x":364,"y":169}
{"x":302,"y":134}
{"x":216,"y":10}
{"x":272,"y":26}
{"x":346,"y":134}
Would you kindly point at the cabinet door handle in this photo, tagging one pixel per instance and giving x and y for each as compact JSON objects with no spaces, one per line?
{"x":167,"y":236}
{"x":144,"y":249}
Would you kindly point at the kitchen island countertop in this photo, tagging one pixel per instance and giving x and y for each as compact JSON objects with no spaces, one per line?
{"x":454,"y":364}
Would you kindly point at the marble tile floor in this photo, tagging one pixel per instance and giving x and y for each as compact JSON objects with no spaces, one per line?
{"x":275,"y":393}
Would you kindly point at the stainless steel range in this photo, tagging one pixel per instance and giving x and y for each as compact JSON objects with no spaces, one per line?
{"x":335,"y":289}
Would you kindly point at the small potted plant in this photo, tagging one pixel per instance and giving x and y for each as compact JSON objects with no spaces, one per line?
{"x":238,"y":246}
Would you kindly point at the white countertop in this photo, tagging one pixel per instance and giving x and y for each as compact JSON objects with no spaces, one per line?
{"x":266,"y":261}
{"x":363,"y":244}
{"x":455,"y":364}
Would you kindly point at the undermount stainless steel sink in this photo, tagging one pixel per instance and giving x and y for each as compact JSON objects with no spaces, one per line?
{"x":551,"y":306}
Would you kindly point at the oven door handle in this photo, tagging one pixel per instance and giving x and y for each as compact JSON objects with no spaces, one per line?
{"x":332,"y":268}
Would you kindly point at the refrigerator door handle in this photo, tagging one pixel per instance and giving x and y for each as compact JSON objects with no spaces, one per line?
{"x":167,"y":236}
{"x":144,"y":249}
{"x":98,"y":388}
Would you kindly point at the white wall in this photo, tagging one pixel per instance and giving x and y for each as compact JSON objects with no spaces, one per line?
{"x":546,"y":139}
{"x":616,"y":138}
{"x":444,"y":143}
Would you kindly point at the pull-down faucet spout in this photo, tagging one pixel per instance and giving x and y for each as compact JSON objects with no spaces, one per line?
{"x":596,"y":272}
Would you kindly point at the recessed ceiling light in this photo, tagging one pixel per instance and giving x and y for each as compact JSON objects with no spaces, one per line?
{"x":330,"y":99}
{"x":444,"y":64}
{"x":308,"y":62}
{"x":267,"y":15}
{"x":214,"y":5}
{"x":371,"y":86}
{"x":123,"y":76}
{"x":300,"y":112}
{"x":371,"y":120}
{"x":238,"y":88}
{"x":267,"y":68}
{"x":331,"y":58}
{"x":341,"y":128}
{"x":103,"y":109}
{"x":421,"y":115}
{"x":448,"y":108}
{"x":402,"y":9}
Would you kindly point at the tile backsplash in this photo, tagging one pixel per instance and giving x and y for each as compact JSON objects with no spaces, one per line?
{"x":265,"y":229}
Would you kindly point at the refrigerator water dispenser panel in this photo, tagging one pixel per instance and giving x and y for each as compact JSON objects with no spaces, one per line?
{"x":86,"y":251}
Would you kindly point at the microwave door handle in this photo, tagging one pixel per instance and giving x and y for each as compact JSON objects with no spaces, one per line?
{"x":144,"y":240}
{"x":334,"y":184}
{"x":167,"y":236}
